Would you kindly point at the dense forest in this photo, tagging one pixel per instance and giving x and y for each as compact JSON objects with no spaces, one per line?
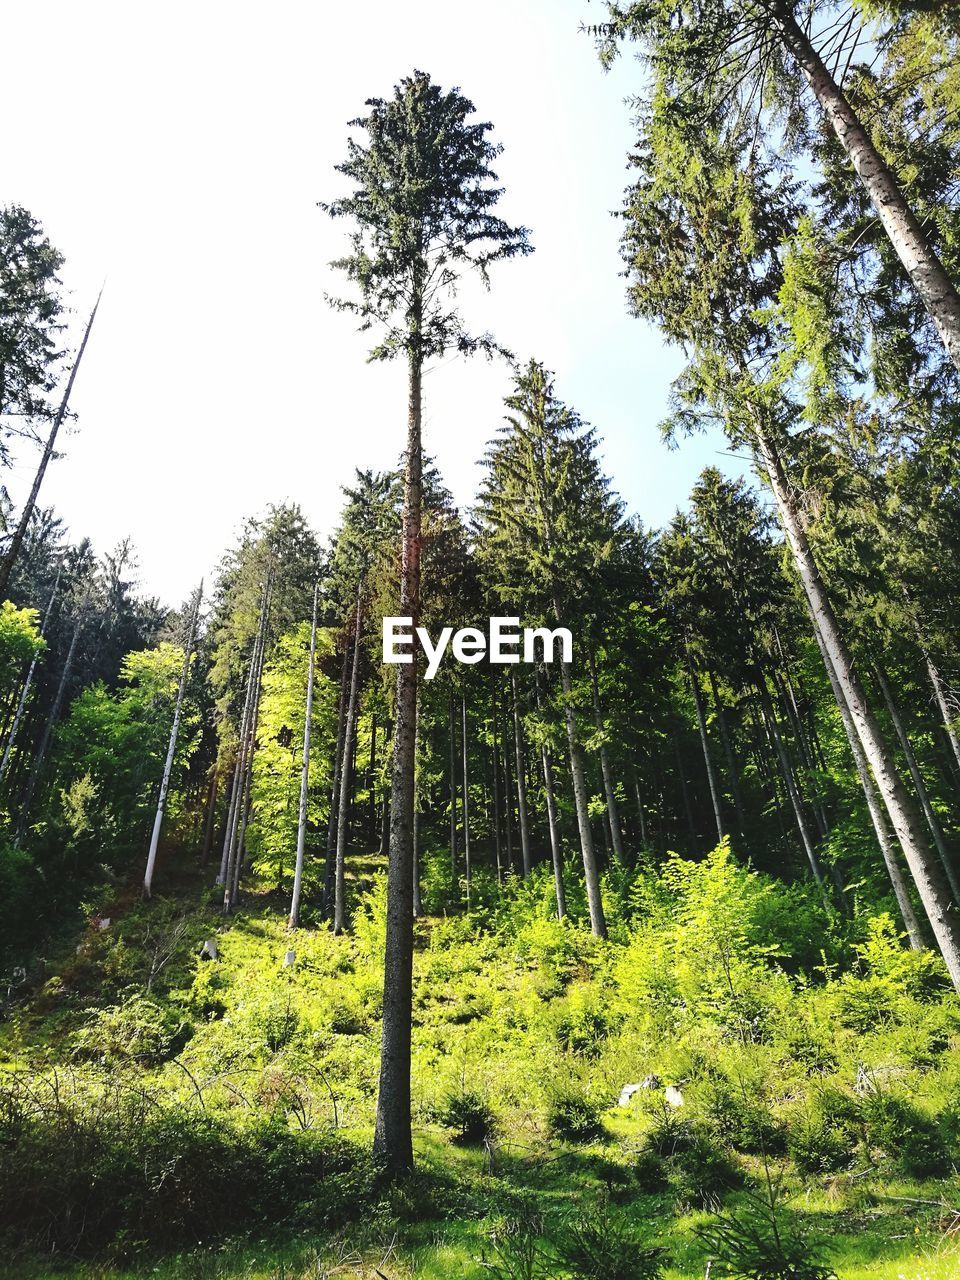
{"x":640,"y":961}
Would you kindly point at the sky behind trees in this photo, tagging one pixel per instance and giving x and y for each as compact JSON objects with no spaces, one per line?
{"x":185,"y":150}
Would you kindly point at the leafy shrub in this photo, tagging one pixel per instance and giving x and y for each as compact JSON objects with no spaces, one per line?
{"x":104,"y":1168}
{"x":469,"y":1115}
{"x":138,"y":1030}
{"x":598,"y":1247}
{"x":572,"y":1116}
{"x":757,"y":1243}
{"x":517,"y":1247}
{"x":822,"y":1138}
{"x":905,"y":1134}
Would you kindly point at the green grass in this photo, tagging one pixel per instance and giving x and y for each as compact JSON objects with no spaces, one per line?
{"x":519,"y":1008}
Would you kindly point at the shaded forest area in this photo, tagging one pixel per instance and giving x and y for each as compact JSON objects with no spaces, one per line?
{"x":640,"y":965}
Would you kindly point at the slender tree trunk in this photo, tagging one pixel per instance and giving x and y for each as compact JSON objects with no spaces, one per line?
{"x":371,"y":774}
{"x":789,"y":702}
{"x":685,"y":794}
{"x":609,"y":787}
{"x":417,"y":899}
{"x":329,"y":874}
{"x":932,"y":884}
{"x":236,"y":785}
{"x":294,"y":917}
{"x":947,"y":716}
{"x":343,"y":813}
{"x":497,"y":816}
{"x":171,"y":749}
{"x":793,"y":791}
{"x":10,"y":555}
{"x":705,"y":748}
{"x":875,"y":808}
{"x":507,"y":801}
{"x":52,"y":719}
{"x":919,"y":786}
{"x":728,"y":756}
{"x":556,"y":852}
{"x":521,"y":780}
{"x":211,"y":819}
{"x":641,"y":817}
{"x":393,"y":1139}
{"x":28,"y":681}
{"x":452,"y":725}
{"x":246,"y":794}
{"x":466,"y":800}
{"x":907,"y":236}
{"x":598,"y":923}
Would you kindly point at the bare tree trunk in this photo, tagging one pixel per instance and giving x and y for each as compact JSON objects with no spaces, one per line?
{"x":330,"y":867}
{"x":497,"y":816}
{"x":796,"y":801}
{"x":52,"y":718}
{"x":521,"y":781}
{"x":908,"y":238}
{"x":609,"y":787}
{"x":452,"y":725}
{"x":919,"y":786}
{"x":10,"y":555}
{"x":685,"y":794}
{"x":466,"y":800}
{"x":598,"y":923}
{"x":393,"y":1139}
{"x":641,"y":817}
{"x":235,"y":788}
{"x":947,"y":715}
{"x":417,"y":899}
{"x":875,"y":809}
{"x":727,"y":752}
{"x":932,"y":884}
{"x":705,"y":747}
{"x":211,"y":818}
{"x":236,"y":833}
{"x":28,"y":681}
{"x":371,"y":774}
{"x":556,"y":853}
{"x":171,"y":749}
{"x":293,"y":920}
{"x":343,"y":814}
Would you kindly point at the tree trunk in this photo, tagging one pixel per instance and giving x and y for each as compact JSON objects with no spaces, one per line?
{"x":171,"y":749}
{"x":10,"y":556}
{"x":232,"y":893}
{"x":556,"y":852}
{"x":211,"y":819}
{"x":521,"y":781}
{"x":329,"y":874}
{"x":609,"y":788}
{"x":685,"y":795}
{"x":923,"y":795}
{"x":393,"y":1140}
{"x":343,"y":809}
{"x":466,"y":800}
{"x":28,"y":681}
{"x":793,"y":792}
{"x":371,"y":774}
{"x":49,"y":726}
{"x":294,"y":918}
{"x":875,"y":809}
{"x":932,"y":884}
{"x":452,"y":726}
{"x":641,"y":817}
{"x":417,"y":900}
{"x":497,"y":816}
{"x":908,"y":238}
{"x":727,"y":752}
{"x":598,"y":923}
{"x":705,"y":747}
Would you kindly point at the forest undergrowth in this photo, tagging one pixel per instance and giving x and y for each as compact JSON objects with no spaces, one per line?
{"x":732,"y":1084}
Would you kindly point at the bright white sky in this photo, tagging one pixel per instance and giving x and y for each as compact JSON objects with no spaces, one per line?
{"x":180,"y":149}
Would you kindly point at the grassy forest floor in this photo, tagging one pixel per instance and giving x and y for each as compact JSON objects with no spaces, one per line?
{"x":169,"y":1116}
